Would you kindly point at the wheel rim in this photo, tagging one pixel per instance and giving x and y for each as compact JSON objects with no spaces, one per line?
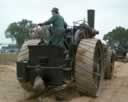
{"x":97,"y":71}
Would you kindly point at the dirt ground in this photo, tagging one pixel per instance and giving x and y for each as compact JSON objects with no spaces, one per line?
{"x":115,"y":90}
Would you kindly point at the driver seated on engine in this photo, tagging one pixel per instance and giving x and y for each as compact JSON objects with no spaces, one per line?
{"x":57,"y":30}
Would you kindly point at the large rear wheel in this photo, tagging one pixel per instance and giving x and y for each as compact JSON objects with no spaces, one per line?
{"x":23,"y":56}
{"x":89,"y":70}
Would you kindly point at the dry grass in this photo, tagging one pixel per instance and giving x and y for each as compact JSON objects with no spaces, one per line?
{"x":8,"y":58}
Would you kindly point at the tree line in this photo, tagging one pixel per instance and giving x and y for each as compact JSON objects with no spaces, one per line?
{"x":19,"y":31}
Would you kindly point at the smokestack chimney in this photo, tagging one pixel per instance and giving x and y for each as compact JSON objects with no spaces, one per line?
{"x":91,"y":17}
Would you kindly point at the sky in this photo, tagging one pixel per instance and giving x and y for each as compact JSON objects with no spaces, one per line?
{"x":108,"y":13}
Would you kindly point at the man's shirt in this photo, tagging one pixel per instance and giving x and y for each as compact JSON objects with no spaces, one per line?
{"x":57,"y":22}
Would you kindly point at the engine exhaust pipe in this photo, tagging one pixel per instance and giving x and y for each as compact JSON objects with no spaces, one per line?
{"x":91,"y":17}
